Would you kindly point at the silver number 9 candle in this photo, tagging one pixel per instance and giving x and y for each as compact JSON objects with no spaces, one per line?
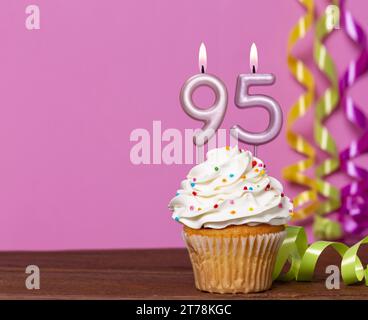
{"x":213,"y":116}
{"x":244,"y":100}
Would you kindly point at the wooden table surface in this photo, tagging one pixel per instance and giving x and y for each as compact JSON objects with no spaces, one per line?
{"x":141,"y":274}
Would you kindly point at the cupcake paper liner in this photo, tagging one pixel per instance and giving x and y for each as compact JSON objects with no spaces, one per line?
{"x":241,"y":264}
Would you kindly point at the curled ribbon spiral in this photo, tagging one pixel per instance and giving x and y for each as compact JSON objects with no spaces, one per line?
{"x":303,"y":259}
{"x":306,"y":202}
{"x":326,"y":104}
{"x":354,"y":207}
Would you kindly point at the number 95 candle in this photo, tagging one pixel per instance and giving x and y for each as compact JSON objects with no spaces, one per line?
{"x":213,"y":116}
{"x":244,"y":100}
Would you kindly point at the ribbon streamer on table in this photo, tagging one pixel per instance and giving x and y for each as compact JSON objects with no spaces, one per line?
{"x":306,"y":202}
{"x":325,"y":105}
{"x":354,"y":208}
{"x":303,"y":258}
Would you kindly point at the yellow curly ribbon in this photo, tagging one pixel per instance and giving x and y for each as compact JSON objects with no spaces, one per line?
{"x":306,"y":202}
{"x":326,"y":104}
{"x":303,"y":259}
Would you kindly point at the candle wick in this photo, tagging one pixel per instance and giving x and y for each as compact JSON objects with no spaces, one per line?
{"x":254,"y":69}
{"x":202,"y":68}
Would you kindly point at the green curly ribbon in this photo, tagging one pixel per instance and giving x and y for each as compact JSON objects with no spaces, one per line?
{"x":303,"y":259}
{"x":323,"y":227}
{"x":324,"y":108}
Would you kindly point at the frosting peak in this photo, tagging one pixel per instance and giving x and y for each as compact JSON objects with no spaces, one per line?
{"x":230,"y":188}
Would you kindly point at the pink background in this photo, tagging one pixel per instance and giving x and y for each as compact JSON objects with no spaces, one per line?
{"x":72,"y":92}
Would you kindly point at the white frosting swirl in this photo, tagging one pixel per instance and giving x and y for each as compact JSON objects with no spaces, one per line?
{"x":230,"y":188}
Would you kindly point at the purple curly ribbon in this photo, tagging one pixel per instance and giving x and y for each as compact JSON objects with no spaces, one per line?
{"x":353,"y":213}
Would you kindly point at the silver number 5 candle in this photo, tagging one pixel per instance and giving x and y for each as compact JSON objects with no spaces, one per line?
{"x":244,"y":100}
{"x":213,"y":116}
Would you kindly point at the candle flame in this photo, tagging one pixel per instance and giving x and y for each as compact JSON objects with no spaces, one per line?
{"x":202,"y":58}
{"x":253,"y":58}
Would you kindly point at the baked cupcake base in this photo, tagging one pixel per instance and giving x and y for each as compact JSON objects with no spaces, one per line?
{"x":236,"y":259}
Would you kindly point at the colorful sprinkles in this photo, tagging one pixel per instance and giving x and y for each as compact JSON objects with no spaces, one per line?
{"x":257,"y":167}
{"x":225,"y":177}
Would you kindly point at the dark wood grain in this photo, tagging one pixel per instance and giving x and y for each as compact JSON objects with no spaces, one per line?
{"x":140,"y":274}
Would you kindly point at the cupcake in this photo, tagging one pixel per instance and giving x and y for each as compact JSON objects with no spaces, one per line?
{"x":233,"y":217}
